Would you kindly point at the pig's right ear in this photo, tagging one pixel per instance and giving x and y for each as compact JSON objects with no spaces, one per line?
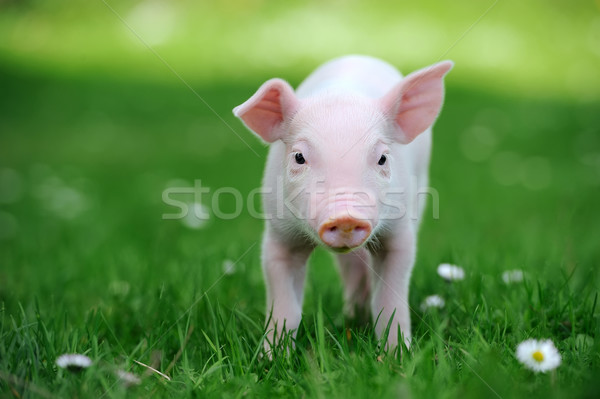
{"x":415,"y":102}
{"x":265,"y":112}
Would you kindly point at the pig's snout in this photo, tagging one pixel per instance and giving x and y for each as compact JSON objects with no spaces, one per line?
{"x":344,"y":232}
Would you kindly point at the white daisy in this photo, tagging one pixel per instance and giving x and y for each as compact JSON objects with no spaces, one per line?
{"x":128,"y":379}
{"x":451,"y":272}
{"x":196,"y":216}
{"x":512,"y":276}
{"x":73,"y":361}
{"x":433,"y":301}
{"x":539,"y":356}
{"x":229,"y":267}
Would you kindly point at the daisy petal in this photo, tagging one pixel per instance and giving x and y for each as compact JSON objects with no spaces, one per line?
{"x":433,"y":301}
{"x":512,"y":276}
{"x":451,"y":272}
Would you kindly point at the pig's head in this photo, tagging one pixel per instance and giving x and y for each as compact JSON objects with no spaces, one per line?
{"x":338,"y":157}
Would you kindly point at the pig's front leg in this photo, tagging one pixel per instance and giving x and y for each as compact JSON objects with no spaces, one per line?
{"x":391,"y":276}
{"x":284,"y":268}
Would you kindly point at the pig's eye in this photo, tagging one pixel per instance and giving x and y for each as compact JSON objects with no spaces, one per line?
{"x":382,"y":160}
{"x":300,"y":158}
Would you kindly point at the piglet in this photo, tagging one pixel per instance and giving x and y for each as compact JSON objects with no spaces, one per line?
{"x":347,"y":169}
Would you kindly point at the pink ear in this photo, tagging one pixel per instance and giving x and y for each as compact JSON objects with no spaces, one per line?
{"x":415,"y":103}
{"x":266,"y":110}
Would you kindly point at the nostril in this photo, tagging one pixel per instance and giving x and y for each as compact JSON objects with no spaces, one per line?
{"x":333,"y":228}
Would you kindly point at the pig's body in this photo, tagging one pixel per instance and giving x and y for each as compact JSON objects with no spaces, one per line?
{"x":330,"y":145}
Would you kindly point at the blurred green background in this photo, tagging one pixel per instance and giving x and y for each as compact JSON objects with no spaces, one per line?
{"x":103,"y":105}
{"x":534,"y":48}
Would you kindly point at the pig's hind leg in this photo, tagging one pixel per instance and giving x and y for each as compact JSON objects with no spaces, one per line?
{"x":354,"y":270}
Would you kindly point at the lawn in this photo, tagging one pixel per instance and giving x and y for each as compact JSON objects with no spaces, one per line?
{"x":89,"y":265}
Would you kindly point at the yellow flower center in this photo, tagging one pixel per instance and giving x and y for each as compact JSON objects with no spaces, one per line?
{"x":538,"y":356}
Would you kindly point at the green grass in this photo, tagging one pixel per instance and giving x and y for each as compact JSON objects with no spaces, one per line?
{"x":120,"y":284}
{"x":93,"y":128}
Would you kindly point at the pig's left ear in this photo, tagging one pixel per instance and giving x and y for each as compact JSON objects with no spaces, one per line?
{"x":415,"y":102}
{"x":265,"y":112}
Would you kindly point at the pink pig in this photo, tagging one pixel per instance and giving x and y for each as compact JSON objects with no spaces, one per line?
{"x":344,"y":149}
